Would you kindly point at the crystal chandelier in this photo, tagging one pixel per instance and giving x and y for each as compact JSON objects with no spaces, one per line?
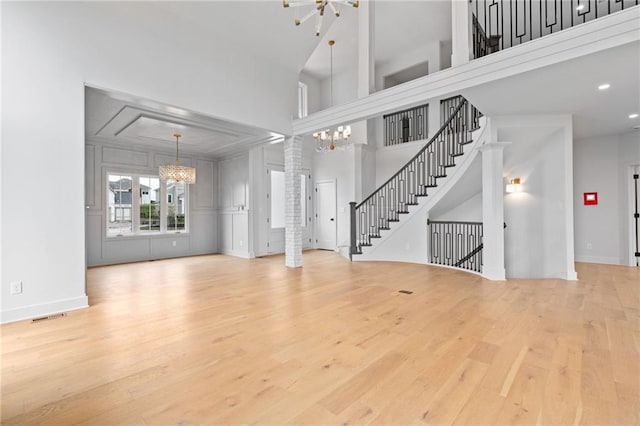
{"x":176,"y":172}
{"x":318,"y":8}
{"x":329,"y":140}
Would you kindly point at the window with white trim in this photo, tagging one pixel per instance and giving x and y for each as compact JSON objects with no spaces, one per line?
{"x":136,"y":205}
{"x":302,"y":100}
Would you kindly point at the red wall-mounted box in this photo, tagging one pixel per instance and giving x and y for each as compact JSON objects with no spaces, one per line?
{"x":590,"y":198}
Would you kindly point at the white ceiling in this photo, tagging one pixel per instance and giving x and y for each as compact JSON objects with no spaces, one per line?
{"x":126,"y":120}
{"x":265,"y":29}
{"x":400,"y":26}
{"x":571,"y":87}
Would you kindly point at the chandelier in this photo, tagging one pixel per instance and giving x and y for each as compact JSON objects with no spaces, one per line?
{"x":318,"y":8}
{"x":176,"y":172}
{"x":329,"y":140}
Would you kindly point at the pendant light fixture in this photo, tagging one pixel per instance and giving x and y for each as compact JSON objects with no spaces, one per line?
{"x":176,"y":172}
{"x":328,"y":139}
{"x":318,"y":9}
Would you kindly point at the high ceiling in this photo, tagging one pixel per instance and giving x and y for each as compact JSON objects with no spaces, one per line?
{"x":265,"y":29}
{"x":400,"y":27}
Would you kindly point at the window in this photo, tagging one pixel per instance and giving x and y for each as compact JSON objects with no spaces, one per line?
{"x":149,"y":204}
{"x":119,"y":216}
{"x":278,"y":199}
{"x":302,"y":99}
{"x":135,"y":207}
{"x":176,"y":207}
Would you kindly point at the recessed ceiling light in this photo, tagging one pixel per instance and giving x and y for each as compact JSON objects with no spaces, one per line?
{"x":634,"y":115}
{"x":604,"y":86}
{"x":580,"y":7}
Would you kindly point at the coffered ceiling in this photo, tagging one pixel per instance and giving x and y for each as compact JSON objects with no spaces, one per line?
{"x":125,"y":120}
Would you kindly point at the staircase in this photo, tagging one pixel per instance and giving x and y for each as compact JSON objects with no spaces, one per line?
{"x":417,"y":179}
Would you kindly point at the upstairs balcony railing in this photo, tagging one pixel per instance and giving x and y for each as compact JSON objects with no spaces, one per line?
{"x":500,"y":24}
{"x":406,"y":126}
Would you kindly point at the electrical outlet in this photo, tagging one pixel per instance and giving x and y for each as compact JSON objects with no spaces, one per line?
{"x":589,"y":246}
{"x":15,"y":287}
{"x":173,"y":243}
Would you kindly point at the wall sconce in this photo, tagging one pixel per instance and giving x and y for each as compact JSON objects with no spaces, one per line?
{"x":514,"y":186}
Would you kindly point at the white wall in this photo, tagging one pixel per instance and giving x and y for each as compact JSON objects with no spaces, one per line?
{"x":463,"y":202}
{"x":536,"y":243}
{"x":314,"y":97}
{"x":345,"y":88}
{"x":431,"y":52}
{"x":201,"y":237}
{"x":601,"y":165}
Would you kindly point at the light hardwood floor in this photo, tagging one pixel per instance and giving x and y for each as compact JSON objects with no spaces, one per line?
{"x":217,"y":339}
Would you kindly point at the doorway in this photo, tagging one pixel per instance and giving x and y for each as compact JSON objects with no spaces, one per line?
{"x":276,"y":208}
{"x":326,"y":224}
{"x":634,"y":217}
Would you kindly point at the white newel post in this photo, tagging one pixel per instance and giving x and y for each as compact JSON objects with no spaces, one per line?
{"x":293,"y":227}
{"x":461,"y":44}
{"x":493,"y":211}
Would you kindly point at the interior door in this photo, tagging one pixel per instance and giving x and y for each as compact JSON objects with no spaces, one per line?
{"x":326,"y":221}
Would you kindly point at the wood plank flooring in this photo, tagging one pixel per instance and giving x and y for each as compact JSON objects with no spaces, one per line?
{"x":221,"y":340}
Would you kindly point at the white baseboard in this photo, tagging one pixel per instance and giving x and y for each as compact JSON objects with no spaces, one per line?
{"x":43,"y":309}
{"x":599,"y":259}
{"x":237,"y":253}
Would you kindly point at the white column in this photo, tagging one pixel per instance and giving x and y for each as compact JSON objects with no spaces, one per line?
{"x":461,"y":44}
{"x":492,"y":211}
{"x":366,"y":48}
{"x":571,"y":273}
{"x":293,"y":227}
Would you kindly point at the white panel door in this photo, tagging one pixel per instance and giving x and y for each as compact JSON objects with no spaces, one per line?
{"x":326,"y":214}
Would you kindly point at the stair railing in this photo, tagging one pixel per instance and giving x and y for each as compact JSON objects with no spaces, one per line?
{"x":404,"y":126}
{"x":391,"y":199}
{"x":457,"y":244}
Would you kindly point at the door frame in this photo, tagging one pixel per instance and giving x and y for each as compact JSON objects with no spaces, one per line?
{"x":315,"y":210}
{"x":631,"y":223}
{"x":307,"y":231}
